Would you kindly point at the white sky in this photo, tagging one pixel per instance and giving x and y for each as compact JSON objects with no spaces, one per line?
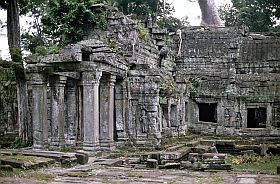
{"x":182,"y":8}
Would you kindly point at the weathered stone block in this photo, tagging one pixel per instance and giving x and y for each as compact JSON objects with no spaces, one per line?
{"x":152,"y":163}
{"x":82,"y":158}
{"x":214,"y":156}
{"x":194,"y":157}
{"x":172,"y":165}
{"x":186,"y":164}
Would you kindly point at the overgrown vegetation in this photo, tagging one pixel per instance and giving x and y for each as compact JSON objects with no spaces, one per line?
{"x":255,"y":163}
{"x":19,"y":144}
{"x":29,"y":174}
{"x":67,"y":20}
{"x":259,"y":16}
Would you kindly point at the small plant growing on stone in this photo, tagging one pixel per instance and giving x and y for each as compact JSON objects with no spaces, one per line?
{"x":142,"y":31}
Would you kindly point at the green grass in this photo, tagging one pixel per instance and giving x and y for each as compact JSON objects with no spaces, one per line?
{"x":256,"y":164}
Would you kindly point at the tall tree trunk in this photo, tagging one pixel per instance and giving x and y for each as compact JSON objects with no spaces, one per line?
{"x":210,"y":15}
{"x":13,"y":29}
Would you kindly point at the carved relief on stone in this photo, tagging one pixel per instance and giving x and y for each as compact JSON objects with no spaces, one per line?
{"x":238,"y":120}
{"x":227,"y":116}
{"x":143,"y":121}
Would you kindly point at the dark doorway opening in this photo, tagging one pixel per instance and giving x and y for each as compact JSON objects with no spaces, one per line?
{"x":173,"y":115}
{"x":208,"y":112}
{"x":256,"y":117}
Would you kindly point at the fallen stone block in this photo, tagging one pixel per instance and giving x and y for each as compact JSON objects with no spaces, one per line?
{"x":186,"y":164}
{"x":194,"y":157}
{"x":82,"y":158}
{"x":152,"y":163}
{"x":172,"y":165}
{"x":214,"y":155}
{"x":196,"y":166}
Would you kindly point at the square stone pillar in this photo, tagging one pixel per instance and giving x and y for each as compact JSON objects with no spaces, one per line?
{"x":39,"y":111}
{"x":57,"y":111}
{"x":72,"y":113}
{"x":120,"y":111}
{"x":90,"y":82}
{"x":107,"y":119}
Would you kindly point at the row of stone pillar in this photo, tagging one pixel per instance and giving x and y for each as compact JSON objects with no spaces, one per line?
{"x":97,"y":111}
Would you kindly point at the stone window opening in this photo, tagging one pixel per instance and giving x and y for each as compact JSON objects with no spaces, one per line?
{"x":208,"y":112}
{"x":85,"y":56}
{"x":256,"y":117}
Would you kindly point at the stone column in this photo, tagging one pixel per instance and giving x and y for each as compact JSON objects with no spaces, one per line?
{"x":71,"y":118}
{"x":90,"y":82}
{"x":107,"y":113}
{"x":57,"y":111}
{"x":39,"y":111}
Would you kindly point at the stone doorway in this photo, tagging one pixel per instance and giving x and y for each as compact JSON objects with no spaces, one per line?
{"x":256,"y":117}
{"x":208,"y":112}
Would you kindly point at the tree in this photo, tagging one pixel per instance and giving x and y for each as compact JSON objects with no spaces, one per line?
{"x":139,"y":7}
{"x":210,"y":16}
{"x":67,"y":20}
{"x":34,"y":37}
{"x":13,"y":29}
{"x":259,"y":15}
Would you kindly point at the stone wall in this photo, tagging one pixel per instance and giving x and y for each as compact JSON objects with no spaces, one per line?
{"x":8,"y":104}
{"x":237,"y":75}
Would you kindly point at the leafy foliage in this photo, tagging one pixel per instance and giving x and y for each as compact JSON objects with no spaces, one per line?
{"x":67,"y":20}
{"x":139,"y":7}
{"x":160,"y":12}
{"x":258,"y":15}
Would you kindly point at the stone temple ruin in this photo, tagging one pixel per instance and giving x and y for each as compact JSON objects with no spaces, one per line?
{"x":140,"y":83}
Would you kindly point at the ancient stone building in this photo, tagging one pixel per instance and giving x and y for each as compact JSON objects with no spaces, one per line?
{"x":137,"y":82}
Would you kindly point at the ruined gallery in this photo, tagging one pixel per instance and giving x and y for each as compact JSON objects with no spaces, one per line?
{"x":136,"y":82}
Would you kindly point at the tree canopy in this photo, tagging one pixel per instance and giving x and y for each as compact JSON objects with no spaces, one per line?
{"x":258,"y":15}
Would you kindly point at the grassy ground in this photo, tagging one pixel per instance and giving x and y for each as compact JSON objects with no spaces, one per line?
{"x":29,"y":174}
{"x":255,"y":163}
